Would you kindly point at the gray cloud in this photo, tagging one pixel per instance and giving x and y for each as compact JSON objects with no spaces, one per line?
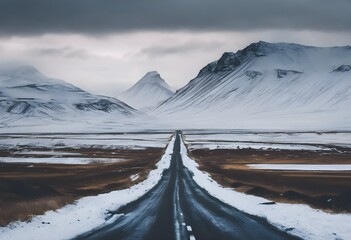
{"x":19,"y":17}
{"x":82,"y":54}
{"x":193,"y":46}
{"x":66,"y":52}
{"x":50,"y":51}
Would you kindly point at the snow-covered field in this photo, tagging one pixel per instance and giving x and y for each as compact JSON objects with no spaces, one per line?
{"x":221,"y":139}
{"x":105,"y":140}
{"x":17,"y":142}
{"x":297,"y":219}
{"x":303,"y":167}
{"x":87,"y":213}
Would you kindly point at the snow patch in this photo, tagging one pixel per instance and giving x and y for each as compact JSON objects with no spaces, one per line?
{"x":134,"y":177}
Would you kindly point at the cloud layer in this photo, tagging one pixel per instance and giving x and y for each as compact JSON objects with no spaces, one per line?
{"x":18,"y":17}
{"x":105,"y":46}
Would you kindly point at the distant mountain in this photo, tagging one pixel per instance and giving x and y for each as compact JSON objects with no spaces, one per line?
{"x":148,"y":92}
{"x":24,"y":91}
{"x":268,"y":85}
{"x":263,"y":86}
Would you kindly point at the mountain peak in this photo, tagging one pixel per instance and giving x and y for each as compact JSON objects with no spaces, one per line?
{"x":26,"y":71}
{"x":152,"y":73}
{"x":148,"y":92}
{"x":264,"y":80}
{"x":231,"y":60}
{"x":152,"y":77}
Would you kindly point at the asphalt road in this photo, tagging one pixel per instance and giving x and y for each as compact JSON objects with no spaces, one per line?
{"x":177,"y":208}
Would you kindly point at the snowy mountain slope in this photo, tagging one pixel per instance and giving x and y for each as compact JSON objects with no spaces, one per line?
{"x":27,"y":92}
{"x":269,"y":84}
{"x":148,"y":92}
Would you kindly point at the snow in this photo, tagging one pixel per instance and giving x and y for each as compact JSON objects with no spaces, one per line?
{"x":87,"y":213}
{"x":303,"y":167}
{"x":55,"y":160}
{"x":304,"y":221}
{"x":148,"y":92}
{"x":134,"y":177}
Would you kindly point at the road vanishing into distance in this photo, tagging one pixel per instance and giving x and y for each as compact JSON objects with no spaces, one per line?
{"x":177,"y":208}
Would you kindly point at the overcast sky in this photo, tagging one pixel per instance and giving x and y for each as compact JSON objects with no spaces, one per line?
{"x":105,"y":46}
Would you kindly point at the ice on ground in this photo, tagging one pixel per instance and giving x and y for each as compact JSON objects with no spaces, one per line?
{"x":87,"y":213}
{"x":297,"y":219}
{"x":134,"y":177}
{"x":303,"y":167}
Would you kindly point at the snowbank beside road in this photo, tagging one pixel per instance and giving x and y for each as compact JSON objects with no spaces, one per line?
{"x":297,"y":219}
{"x":88,"y":212}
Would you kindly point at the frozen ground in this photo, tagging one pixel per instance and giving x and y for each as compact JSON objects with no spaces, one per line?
{"x":133,"y":140}
{"x":17,"y":142}
{"x":298,"y":219}
{"x":91,"y":212}
{"x":303,"y":167}
{"x":230,"y":139}
{"x":87,"y":213}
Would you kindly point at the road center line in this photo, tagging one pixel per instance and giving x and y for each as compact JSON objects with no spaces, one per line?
{"x":192,"y":237}
{"x":189,"y":228}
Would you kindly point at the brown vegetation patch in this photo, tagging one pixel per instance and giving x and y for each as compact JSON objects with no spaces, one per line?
{"x":28,"y":189}
{"x":328,"y":190}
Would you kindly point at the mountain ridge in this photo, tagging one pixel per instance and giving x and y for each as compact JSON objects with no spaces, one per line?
{"x":265,"y":79}
{"x":25,"y":91}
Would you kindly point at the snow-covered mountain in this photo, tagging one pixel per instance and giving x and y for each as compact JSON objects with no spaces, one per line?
{"x":148,"y":92}
{"x":268,"y":85}
{"x":264,"y":86}
{"x":25,"y":92}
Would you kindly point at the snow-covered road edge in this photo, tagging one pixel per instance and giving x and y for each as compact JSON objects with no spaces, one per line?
{"x":88,"y":212}
{"x":298,"y":219}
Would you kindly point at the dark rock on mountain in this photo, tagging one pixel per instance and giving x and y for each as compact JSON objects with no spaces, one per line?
{"x":283,"y":73}
{"x":343,"y":68}
{"x":253,"y":74}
